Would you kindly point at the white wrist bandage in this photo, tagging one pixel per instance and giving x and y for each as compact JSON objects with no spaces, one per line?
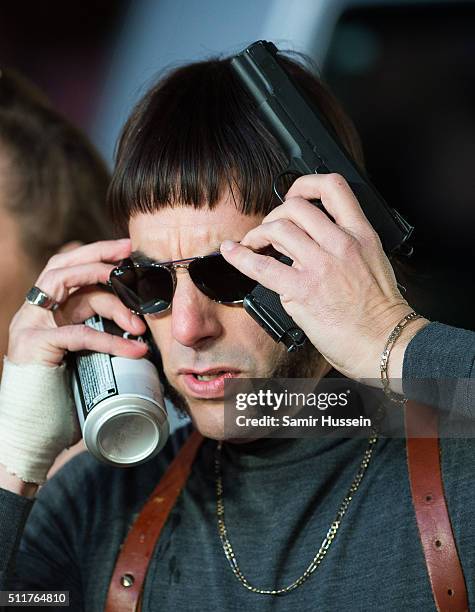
{"x":37,"y":418}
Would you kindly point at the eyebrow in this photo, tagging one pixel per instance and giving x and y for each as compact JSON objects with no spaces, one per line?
{"x":139,"y":256}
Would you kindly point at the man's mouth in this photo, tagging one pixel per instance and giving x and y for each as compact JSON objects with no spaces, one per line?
{"x":209,"y":376}
{"x":209,"y":373}
{"x":207,"y":383}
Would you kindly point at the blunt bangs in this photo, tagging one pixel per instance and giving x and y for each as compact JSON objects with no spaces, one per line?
{"x":197,"y":134}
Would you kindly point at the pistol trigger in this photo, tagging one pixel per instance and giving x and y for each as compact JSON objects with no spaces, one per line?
{"x":275,"y":188}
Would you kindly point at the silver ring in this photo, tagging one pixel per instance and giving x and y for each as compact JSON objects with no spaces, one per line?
{"x":37,"y":297}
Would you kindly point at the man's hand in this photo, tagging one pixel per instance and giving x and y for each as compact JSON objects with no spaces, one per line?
{"x":41,"y":336}
{"x":37,"y":416}
{"x":341,"y":289}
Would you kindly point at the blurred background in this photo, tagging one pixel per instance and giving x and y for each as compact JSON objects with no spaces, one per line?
{"x":404,"y":71}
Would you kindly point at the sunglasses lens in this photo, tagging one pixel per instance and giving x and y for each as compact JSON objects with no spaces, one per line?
{"x":145,"y":290}
{"x":219,"y":280}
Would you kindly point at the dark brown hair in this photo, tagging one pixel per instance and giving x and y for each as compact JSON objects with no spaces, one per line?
{"x":51,"y":179}
{"x":197,"y":132}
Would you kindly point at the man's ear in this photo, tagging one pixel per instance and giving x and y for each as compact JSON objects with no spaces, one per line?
{"x":70,"y":246}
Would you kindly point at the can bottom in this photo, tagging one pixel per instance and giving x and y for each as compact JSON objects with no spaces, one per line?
{"x":126,"y":431}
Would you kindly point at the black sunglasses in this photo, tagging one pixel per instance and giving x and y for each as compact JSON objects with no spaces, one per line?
{"x":148,"y":288}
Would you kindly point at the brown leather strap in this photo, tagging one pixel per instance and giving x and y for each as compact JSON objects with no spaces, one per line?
{"x":435,"y":530}
{"x":125,"y":589}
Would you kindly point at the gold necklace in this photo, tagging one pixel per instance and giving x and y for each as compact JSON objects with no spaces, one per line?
{"x":322,"y":551}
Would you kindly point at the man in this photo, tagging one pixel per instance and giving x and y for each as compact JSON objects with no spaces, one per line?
{"x":195,"y":167}
{"x":53,"y":186}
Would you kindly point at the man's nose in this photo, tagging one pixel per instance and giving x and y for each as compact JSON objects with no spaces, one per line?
{"x":194,"y":317}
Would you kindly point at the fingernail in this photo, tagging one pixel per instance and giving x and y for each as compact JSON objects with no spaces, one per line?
{"x":124,"y":240}
{"x":227,"y":245}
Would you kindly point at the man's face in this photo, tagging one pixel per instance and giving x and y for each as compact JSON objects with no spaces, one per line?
{"x":198,"y":335}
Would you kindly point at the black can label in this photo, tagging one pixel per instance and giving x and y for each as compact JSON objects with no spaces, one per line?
{"x":95,"y":378}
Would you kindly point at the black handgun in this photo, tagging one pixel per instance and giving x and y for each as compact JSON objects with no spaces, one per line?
{"x":310,"y":148}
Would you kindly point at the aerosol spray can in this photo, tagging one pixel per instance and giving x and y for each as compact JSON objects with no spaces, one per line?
{"x":119,"y":403}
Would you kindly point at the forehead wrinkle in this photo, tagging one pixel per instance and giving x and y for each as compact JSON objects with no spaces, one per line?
{"x":174,"y":233}
{"x":194,"y":224}
{"x":202,"y":241}
{"x":179,"y":245}
{"x":195,"y":240}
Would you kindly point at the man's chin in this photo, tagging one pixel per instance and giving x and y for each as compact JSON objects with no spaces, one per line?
{"x":207,"y":414}
{"x":208,"y":417}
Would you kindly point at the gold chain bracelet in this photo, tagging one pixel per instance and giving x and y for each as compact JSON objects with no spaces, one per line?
{"x":383,"y":366}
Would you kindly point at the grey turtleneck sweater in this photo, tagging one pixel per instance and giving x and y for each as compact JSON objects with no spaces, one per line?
{"x":280,"y":498}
